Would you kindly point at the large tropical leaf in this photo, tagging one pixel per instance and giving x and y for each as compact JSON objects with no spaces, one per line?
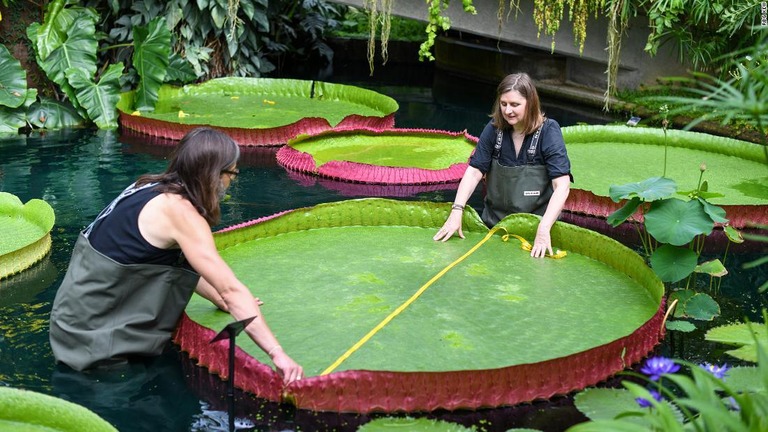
{"x":673,"y":263}
{"x":52,"y":33}
{"x":677,"y":222}
{"x":100,"y":100}
{"x":651,"y":189}
{"x":12,"y":119}
{"x":180,"y":70}
{"x":13,"y":80}
{"x":78,"y":51}
{"x":152,"y":47}
{"x":52,"y":114}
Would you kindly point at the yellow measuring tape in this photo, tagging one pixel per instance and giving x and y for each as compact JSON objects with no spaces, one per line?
{"x":525,"y":245}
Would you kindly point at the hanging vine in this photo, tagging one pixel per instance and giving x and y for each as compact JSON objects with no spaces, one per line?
{"x":619,"y":12}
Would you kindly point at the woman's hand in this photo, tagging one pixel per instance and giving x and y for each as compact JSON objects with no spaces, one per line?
{"x":451,"y":226}
{"x":542,"y":244}
{"x":288,"y":369}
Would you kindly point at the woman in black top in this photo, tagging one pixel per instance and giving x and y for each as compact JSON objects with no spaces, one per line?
{"x":522,"y":156}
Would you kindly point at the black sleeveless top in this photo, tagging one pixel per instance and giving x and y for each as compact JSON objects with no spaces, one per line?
{"x":117,"y":235}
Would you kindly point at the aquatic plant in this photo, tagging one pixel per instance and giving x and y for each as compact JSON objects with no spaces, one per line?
{"x":702,"y":397}
{"x":673,"y":235}
{"x":24,"y":410}
{"x":24,"y":233}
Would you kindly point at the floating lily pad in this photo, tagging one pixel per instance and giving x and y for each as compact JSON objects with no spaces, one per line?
{"x":259,"y":111}
{"x":24,"y":233}
{"x":460,"y":330}
{"x":602,"y":156}
{"x":394,"y":156}
{"x":28,"y":411}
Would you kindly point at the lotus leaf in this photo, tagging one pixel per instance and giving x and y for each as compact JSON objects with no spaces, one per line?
{"x":677,"y":222}
{"x":673,"y":263}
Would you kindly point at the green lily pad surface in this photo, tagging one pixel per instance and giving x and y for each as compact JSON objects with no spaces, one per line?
{"x":27,"y":411}
{"x":24,"y":232}
{"x":279,"y":108}
{"x":602,"y":156}
{"x":331,"y":274}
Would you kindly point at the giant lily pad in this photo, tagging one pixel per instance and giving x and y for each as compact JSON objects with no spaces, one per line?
{"x":602,"y":156}
{"x":383,"y":318}
{"x":24,"y":233}
{"x":258,"y":111}
{"x":393,"y":156}
{"x":28,"y":411}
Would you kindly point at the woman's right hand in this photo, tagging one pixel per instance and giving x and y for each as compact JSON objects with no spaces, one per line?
{"x":451,"y":226}
{"x":288,"y":369}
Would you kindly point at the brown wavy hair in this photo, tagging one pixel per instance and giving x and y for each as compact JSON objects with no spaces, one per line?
{"x":524,"y":85}
{"x":195,"y":169}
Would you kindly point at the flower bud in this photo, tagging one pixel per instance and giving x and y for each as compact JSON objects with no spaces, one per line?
{"x":703,"y":167}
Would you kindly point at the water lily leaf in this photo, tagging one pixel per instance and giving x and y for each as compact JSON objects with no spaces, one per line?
{"x":737,"y":334}
{"x":745,"y":379}
{"x":607,"y":403}
{"x":713,"y":268}
{"x":746,"y":353}
{"x":24,"y":410}
{"x":651,"y":189}
{"x":715,"y":212}
{"x":673,"y":263}
{"x":13,"y":80}
{"x":733,"y":234}
{"x":421,"y":424}
{"x":677,"y":222}
{"x":702,"y":307}
{"x":681,"y":296}
{"x":152,"y":47}
{"x":99,"y":99}
{"x":619,"y":216}
{"x":681,"y":326}
{"x":52,"y":114}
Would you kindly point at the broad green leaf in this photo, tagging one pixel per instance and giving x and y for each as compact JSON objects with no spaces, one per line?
{"x":13,"y":80}
{"x":12,"y":119}
{"x":99,"y":99}
{"x":651,"y":189}
{"x":28,"y":411}
{"x":677,"y":222}
{"x":619,"y":216}
{"x":733,"y":234}
{"x":746,"y":353}
{"x":702,"y":307}
{"x":681,"y":296}
{"x":180,"y":70}
{"x":745,"y":379}
{"x":78,"y":51}
{"x":51,"y":34}
{"x":673,"y":263}
{"x":715,"y":212}
{"x":681,"y":326}
{"x":24,"y":233}
{"x":607,"y":403}
{"x":152,"y":47}
{"x":738,"y":334}
{"x":713,"y":268}
{"x":52,"y":114}
{"x":422,"y":424}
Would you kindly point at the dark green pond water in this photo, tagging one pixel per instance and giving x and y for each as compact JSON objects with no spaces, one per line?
{"x":79,"y":172}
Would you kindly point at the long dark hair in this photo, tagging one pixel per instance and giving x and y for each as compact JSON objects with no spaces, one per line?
{"x":524,"y":85}
{"x":195,"y":168}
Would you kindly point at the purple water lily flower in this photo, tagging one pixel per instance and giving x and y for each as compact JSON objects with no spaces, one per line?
{"x":655,"y":367}
{"x":718,"y":371}
{"x":645,"y":403}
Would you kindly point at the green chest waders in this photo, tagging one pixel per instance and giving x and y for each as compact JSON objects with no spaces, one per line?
{"x":520,"y":189}
{"x":105,"y":310}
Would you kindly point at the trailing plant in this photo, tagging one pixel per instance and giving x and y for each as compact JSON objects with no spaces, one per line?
{"x":673,"y":235}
